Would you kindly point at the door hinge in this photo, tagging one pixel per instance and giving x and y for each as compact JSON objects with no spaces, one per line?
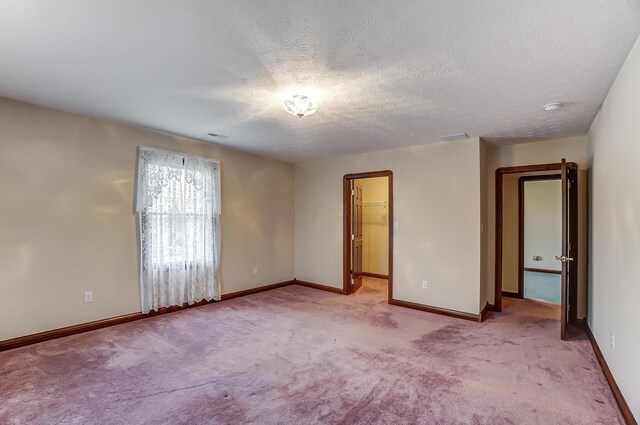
{"x":353,"y":237}
{"x":353,"y":192}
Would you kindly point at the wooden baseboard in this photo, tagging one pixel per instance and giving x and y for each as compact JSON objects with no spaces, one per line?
{"x":492,"y":307}
{"x":436,"y":310}
{"x":112,"y":321}
{"x":487,"y":308}
{"x":510,"y":294}
{"x":617,"y":394}
{"x":256,"y":290}
{"x":318,"y":286}
{"x":21,"y":341}
{"x":531,"y":269}
{"x":376,"y":275}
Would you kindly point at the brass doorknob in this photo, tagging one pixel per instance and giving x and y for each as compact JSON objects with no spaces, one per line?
{"x":564,"y":258}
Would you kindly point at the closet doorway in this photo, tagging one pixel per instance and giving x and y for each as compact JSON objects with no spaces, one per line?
{"x":368,"y":231}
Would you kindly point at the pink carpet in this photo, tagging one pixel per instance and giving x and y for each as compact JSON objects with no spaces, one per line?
{"x":300,"y":356}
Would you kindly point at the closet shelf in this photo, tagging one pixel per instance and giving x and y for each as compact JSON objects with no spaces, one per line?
{"x":384,"y":204}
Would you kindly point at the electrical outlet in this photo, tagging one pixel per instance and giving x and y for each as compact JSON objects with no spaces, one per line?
{"x":255,"y":271}
{"x":613,"y":341}
{"x":88,"y":296}
{"x":396,"y":225}
{"x":425,"y":285}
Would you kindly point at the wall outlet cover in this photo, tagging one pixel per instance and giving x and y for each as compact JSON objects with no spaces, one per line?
{"x":613,"y":341}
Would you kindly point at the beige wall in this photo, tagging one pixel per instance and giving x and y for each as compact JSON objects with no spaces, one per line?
{"x":542,"y":223}
{"x":375,"y":219}
{"x":487,"y":175}
{"x":437,"y":206}
{"x":574,"y":149}
{"x":615,"y":140}
{"x":66,"y":185}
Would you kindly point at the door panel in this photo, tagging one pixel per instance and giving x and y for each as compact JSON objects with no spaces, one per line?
{"x":356,"y":228}
{"x":565,"y":257}
{"x":572,"y":288}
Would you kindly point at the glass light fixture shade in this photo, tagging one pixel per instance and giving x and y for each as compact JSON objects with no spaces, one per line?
{"x":300,"y":105}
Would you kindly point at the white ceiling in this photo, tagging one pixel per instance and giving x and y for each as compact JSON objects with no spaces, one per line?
{"x":388,"y":73}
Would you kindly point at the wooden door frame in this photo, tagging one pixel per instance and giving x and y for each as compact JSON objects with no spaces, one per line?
{"x":346,"y":248}
{"x":500,"y":172}
{"x":521,"y":181}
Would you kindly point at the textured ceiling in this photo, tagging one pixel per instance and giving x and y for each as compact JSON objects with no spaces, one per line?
{"x":387,"y":73}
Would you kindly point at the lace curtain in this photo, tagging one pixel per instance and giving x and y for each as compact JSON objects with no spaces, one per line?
{"x":178,"y":206}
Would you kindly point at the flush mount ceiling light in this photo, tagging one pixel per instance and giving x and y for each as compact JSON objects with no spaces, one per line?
{"x":300,"y":105}
{"x":550,"y":107}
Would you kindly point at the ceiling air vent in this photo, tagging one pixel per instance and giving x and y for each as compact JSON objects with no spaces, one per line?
{"x":219,"y":136}
{"x":454,"y":137}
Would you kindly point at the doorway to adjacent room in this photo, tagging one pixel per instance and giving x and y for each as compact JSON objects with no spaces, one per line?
{"x":540,"y":237}
{"x":513,"y":280}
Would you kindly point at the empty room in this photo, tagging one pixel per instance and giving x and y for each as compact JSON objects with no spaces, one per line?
{"x":330,"y":212}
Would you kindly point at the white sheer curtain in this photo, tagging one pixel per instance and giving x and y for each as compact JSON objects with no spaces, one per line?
{"x":178,"y":205}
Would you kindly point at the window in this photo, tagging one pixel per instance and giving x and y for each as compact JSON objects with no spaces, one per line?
{"x":178,"y":205}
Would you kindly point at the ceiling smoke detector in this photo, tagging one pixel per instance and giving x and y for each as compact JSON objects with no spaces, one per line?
{"x":550,"y":107}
